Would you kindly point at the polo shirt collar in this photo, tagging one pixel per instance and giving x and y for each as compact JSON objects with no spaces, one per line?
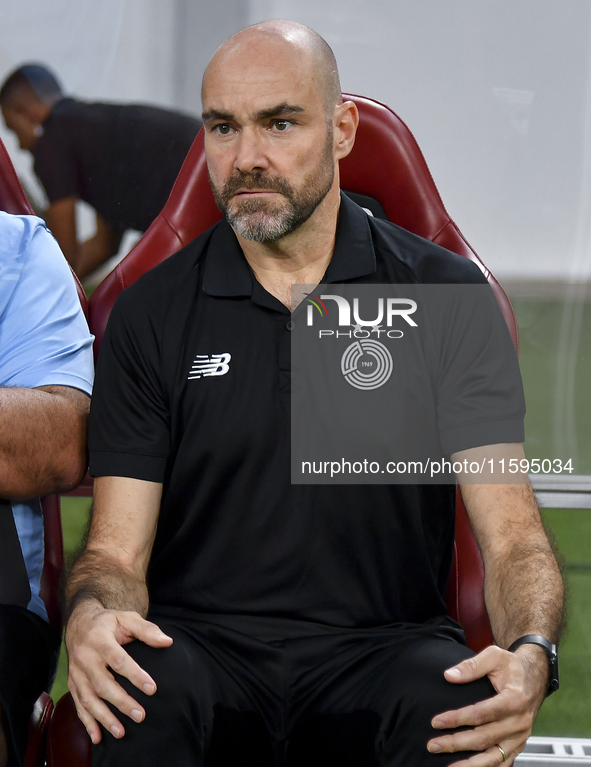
{"x":227,"y":273}
{"x":354,"y":255}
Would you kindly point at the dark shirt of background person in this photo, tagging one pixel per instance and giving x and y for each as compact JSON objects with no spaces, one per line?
{"x":122,"y":159}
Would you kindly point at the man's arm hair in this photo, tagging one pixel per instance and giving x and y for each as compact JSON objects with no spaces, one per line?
{"x":523,"y":584}
{"x":42,"y":440}
{"x":98,"y":577}
{"x":108,"y":602}
{"x":112,"y":569}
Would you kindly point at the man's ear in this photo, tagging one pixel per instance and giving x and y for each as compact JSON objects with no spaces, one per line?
{"x":346,"y":120}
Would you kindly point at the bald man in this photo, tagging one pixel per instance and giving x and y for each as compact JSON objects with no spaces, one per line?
{"x":122,"y":159}
{"x":219,"y":614}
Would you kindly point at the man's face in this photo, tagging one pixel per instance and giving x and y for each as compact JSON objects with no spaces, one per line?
{"x":268,"y":143}
{"x":283,"y":208}
{"x":18,"y":121}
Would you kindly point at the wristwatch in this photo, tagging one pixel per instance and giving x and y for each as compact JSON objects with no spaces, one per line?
{"x":551,"y":652}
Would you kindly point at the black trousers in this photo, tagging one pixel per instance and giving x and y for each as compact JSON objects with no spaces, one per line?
{"x":338,"y":698}
{"x":29,"y":649}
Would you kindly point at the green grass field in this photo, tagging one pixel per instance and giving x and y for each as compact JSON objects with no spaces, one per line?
{"x":556,"y":367}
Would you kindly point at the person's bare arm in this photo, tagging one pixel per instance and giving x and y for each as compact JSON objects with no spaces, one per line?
{"x":60,"y":217}
{"x":87,"y":256}
{"x":108,"y":600}
{"x":42,"y":440}
{"x":524,"y":595}
{"x":93,"y":252}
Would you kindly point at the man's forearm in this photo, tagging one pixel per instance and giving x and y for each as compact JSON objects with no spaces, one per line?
{"x":524,"y":595}
{"x":523,"y":583}
{"x":96,"y":577}
{"x":112,"y":569}
{"x":42,"y":440}
{"x":107,"y":603}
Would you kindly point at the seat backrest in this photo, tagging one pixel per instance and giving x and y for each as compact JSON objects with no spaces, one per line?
{"x":386,"y":164}
{"x":38,"y":728}
{"x":68,"y":744}
{"x":53,"y":563}
{"x":12,"y":195}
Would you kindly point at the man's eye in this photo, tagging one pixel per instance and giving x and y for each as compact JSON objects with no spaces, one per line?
{"x":282,"y":125}
{"x":224,"y":129}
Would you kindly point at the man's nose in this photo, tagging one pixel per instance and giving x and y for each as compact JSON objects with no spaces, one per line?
{"x":250,"y":152}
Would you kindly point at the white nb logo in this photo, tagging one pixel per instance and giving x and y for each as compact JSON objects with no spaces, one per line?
{"x":210,"y":365}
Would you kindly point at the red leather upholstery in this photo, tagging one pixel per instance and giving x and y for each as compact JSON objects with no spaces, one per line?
{"x":68,"y":744}
{"x":53,"y":564}
{"x":53,"y":567}
{"x":35,"y":756}
{"x":12,"y":195}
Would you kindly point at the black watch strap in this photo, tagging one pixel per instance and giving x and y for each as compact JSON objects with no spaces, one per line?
{"x":551,"y":651}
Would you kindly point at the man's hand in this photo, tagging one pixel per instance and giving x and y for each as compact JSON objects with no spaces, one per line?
{"x":95,"y":639}
{"x":107,"y":596}
{"x":506,"y":719}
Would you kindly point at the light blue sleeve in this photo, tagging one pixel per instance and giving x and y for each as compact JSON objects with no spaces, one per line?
{"x":44,"y":340}
{"x":44,"y":337}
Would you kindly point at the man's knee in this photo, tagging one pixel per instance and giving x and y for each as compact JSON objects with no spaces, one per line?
{"x":418,"y":692}
{"x":423,"y":680}
{"x":198,"y":707}
{"x":178,"y":715}
{"x":182,"y":672}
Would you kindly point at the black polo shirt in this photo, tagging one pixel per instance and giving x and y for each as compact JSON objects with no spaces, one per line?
{"x":122,"y":159}
{"x":234,"y":537}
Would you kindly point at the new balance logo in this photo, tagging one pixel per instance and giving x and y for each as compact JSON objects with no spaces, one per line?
{"x":210,"y":365}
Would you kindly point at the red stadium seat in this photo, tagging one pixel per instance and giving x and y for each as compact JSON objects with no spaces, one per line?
{"x":68,"y":744}
{"x":35,"y":756}
{"x":51,"y":576}
{"x":12,"y":195}
{"x":387,"y":165}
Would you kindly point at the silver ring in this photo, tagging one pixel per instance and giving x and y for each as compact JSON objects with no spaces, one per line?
{"x":503,"y":754}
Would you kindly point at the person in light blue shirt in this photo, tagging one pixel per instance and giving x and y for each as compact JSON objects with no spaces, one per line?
{"x":46,"y":375}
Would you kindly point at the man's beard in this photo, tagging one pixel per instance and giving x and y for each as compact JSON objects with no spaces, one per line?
{"x":264,"y":220}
